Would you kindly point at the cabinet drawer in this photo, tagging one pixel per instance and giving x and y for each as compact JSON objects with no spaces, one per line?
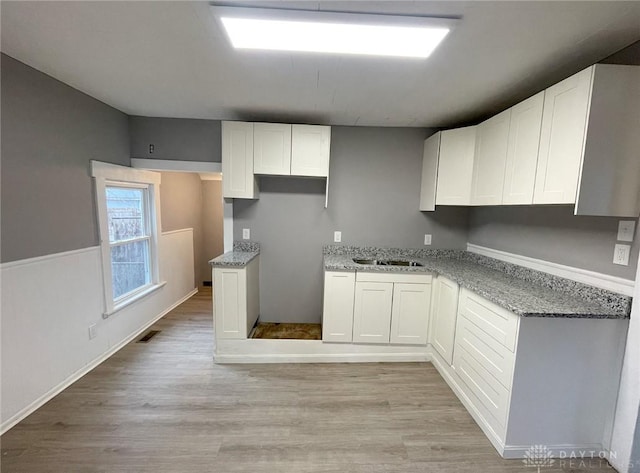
{"x":496,"y":359}
{"x":489,"y":397}
{"x":495,"y":321}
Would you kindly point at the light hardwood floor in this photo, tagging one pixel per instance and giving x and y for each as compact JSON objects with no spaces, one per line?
{"x":166,"y":407}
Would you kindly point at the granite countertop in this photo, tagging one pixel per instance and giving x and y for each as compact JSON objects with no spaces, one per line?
{"x":243,"y":253}
{"x":525,"y":292}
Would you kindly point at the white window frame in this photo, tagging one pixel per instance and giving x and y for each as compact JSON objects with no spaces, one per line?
{"x":112,"y":175}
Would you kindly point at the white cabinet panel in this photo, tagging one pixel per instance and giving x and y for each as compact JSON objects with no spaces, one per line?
{"x":310,"y":149}
{"x":443,"y":317}
{"x":410,"y":313}
{"x":237,"y":161}
{"x":562,"y":136}
{"x":337,"y":316}
{"x":230,"y":302}
{"x":372,"y":312}
{"x":522,"y":151}
{"x":429,"y":172}
{"x":490,"y":160}
{"x":455,"y":166}
{"x":272,"y":148}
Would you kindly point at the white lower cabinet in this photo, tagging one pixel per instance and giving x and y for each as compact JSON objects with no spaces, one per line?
{"x":443,"y":317}
{"x":534,"y":380}
{"x":484,"y":356}
{"x":337,"y":316}
{"x":376,"y":308}
{"x":410,"y":313}
{"x":372,"y":312}
{"x":236,"y":300}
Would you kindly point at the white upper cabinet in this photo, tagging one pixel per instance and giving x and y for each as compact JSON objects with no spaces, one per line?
{"x":490,"y":160}
{"x":455,"y":166}
{"x":429,"y":172}
{"x":281,"y":149}
{"x":589,"y":142}
{"x":272,"y":148}
{"x":610,"y":172}
{"x":564,"y":120}
{"x":310,"y":147}
{"x":522,"y":151}
{"x":237,"y":161}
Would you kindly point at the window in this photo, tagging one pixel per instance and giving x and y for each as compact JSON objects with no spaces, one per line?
{"x":129,"y":238}
{"x":126,"y":201}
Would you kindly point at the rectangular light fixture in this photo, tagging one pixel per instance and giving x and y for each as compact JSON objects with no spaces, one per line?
{"x":328,"y":32}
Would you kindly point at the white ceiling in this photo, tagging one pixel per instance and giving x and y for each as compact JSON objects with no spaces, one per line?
{"x":170,"y":59}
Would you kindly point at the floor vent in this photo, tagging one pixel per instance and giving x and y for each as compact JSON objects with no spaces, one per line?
{"x":148,"y":336}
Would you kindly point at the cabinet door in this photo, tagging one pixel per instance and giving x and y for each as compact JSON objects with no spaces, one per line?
{"x":564,"y":121}
{"x":310,"y":147}
{"x":372,"y":312}
{"x":429,"y":172}
{"x":443,"y":317}
{"x":490,"y":160}
{"x":237,"y":161}
{"x":230,"y":302}
{"x":272,"y":148}
{"x":455,"y":166}
{"x":337,"y":315}
{"x":522,"y":151}
{"x":410,"y":313}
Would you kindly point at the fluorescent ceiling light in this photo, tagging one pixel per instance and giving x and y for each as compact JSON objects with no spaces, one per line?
{"x":337,"y":33}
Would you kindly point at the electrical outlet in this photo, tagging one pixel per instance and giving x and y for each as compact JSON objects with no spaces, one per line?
{"x":427,"y":239}
{"x":152,"y":148}
{"x":337,"y":237}
{"x":621,"y":255}
{"x":626,"y":229}
{"x":246,"y":233}
{"x":92,"y":331}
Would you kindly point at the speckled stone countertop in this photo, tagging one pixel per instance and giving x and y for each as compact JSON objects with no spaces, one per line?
{"x":243,"y":253}
{"x":523,"y":291}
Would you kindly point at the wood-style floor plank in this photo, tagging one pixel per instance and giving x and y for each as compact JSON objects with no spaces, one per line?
{"x":164,"y":406}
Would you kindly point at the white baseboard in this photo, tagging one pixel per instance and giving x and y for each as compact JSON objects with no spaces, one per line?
{"x":323,"y":358}
{"x":592,"y":278}
{"x":313,"y":351}
{"x":577,"y":452}
{"x":6,"y":425}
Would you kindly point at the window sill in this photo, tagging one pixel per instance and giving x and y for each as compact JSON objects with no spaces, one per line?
{"x":134,"y":298}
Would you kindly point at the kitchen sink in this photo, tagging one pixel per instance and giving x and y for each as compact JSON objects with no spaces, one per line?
{"x":376,"y":262}
{"x":400,"y":263}
{"x":366,"y":261}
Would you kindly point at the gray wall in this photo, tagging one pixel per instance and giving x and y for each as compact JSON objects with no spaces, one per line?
{"x":212,"y":218}
{"x":554,"y":234}
{"x":50,"y":132}
{"x":176,"y":138}
{"x":373,"y":200}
